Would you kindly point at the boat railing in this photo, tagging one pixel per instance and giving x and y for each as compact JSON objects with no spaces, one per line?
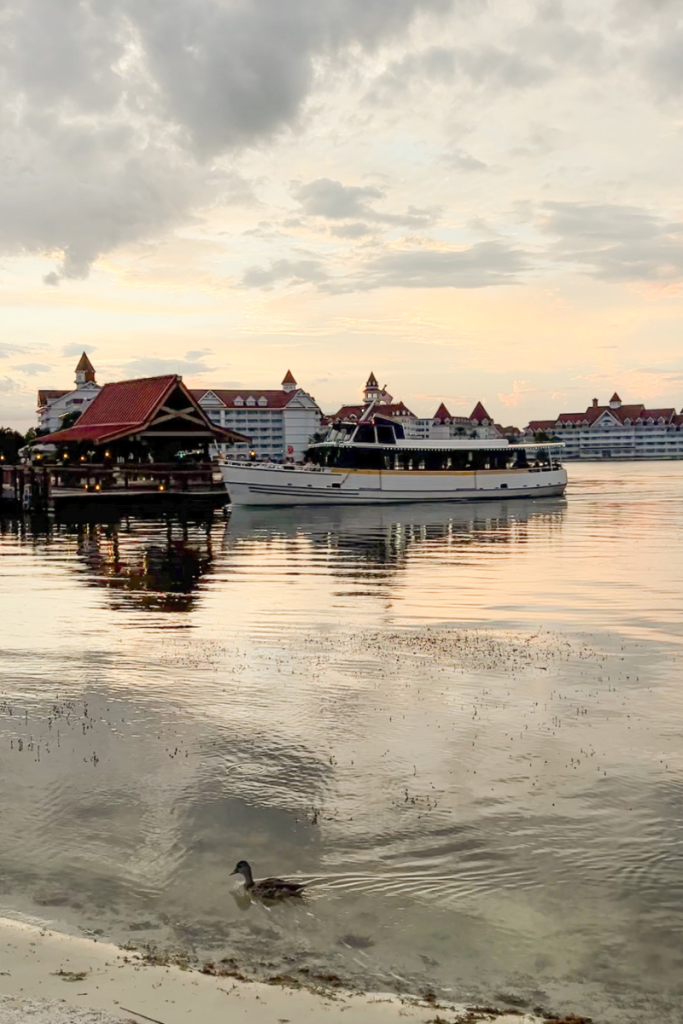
{"x":287,"y":467}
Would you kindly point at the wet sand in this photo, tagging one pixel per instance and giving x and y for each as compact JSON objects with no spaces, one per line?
{"x":51,"y":978}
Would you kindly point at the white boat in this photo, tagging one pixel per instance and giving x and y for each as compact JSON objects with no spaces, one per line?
{"x":372,"y":462}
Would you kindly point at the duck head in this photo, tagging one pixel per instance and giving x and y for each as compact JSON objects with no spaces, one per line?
{"x":244,"y":870}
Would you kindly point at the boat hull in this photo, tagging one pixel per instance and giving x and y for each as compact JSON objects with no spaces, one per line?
{"x":265,"y":484}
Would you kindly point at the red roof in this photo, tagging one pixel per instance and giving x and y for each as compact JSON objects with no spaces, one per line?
{"x":47,"y":396}
{"x":372,"y":381}
{"x":479,"y":414}
{"x":274,"y":399}
{"x":85,"y":364}
{"x":442,"y":414}
{"x":396,"y":410}
{"x":615,"y":398}
{"x":127,"y":408}
{"x":288,"y":378}
{"x":541,"y":425}
{"x":636,"y":411}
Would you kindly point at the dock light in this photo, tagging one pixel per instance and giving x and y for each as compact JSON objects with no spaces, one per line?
{"x":2,"y":458}
{"x":162,"y":487}
{"x":38,"y":457}
{"x":107,"y":455}
{"x":98,"y":487}
{"x":82,"y":458}
{"x":252,"y":455}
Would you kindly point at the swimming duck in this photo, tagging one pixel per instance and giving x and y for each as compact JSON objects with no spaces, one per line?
{"x":268,"y":888}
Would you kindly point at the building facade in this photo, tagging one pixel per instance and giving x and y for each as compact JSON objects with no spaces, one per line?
{"x":53,"y":406}
{"x":384,"y":403}
{"x":279,"y":423}
{"x":441,"y":425}
{"x":616,"y":431}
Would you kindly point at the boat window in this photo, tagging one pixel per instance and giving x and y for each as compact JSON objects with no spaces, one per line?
{"x":399,"y":431}
{"x":365,"y":434}
{"x":385,"y":434}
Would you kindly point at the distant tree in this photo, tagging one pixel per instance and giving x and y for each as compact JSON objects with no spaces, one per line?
{"x":10,"y":443}
{"x":69,"y":418}
{"x":541,"y":435}
{"x":33,"y":433}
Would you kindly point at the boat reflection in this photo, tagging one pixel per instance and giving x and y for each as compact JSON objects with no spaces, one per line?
{"x":381,"y":536}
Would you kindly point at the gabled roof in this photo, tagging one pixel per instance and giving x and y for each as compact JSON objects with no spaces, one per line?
{"x":541,"y":425}
{"x":288,"y":378}
{"x":398,"y":409}
{"x":274,"y":399}
{"x":85,"y":364}
{"x":128,"y":407}
{"x":442,"y":414}
{"x":372,"y":381}
{"x":479,"y":413}
{"x":45,"y":396}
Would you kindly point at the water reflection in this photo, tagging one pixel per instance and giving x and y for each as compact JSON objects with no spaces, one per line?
{"x":379,"y":538}
{"x":479,"y":771}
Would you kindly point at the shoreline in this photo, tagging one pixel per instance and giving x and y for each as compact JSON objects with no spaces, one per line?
{"x":53,"y":978}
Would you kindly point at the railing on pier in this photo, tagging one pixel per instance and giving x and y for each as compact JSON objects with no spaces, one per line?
{"x":33,"y":487}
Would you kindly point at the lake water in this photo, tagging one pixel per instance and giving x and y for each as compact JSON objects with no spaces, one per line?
{"x":462,"y":724}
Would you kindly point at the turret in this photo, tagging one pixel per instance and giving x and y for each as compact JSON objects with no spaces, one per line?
{"x":85,"y":372}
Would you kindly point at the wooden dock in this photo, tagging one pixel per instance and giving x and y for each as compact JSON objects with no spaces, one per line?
{"x":36,"y":488}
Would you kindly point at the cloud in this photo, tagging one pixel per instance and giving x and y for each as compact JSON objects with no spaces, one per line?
{"x":75,"y":348}
{"x":516,"y":395}
{"x":112,"y":116}
{"x":461,"y":160}
{"x":9,"y":386}
{"x":287,"y":271}
{"x":153,"y":366}
{"x":476,"y":266}
{"x":197,"y":353}
{"x":333,"y":201}
{"x":615,"y":242}
{"x":31,"y":369}
{"x":8,"y":348}
{"x":354,"y":230}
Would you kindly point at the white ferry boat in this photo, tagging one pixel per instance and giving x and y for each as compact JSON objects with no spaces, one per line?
{"x":372,"y":462}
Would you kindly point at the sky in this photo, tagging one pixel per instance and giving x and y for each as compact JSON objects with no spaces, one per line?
{"x":474,"y":200}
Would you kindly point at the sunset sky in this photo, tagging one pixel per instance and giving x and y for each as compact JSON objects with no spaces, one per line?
{"x":476,"y":200}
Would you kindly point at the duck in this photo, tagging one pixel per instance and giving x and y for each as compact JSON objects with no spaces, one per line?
{"x":268,"y":888}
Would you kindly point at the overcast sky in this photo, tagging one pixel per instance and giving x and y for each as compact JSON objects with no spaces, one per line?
{"x":476,"y":200}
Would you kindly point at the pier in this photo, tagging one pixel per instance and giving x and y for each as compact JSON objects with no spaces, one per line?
{"x":36,"y":488}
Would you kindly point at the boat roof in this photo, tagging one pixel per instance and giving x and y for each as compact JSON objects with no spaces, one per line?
{"x":454,"y":445}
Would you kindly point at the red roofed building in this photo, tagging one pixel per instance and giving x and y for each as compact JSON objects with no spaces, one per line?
{"x":135,"y":420}
{"x":280,"y":423}
{"x":616,"y":430}
{"x":54,"y":405}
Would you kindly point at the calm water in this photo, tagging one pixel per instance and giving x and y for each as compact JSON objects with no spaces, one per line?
{"x":463,"y":724}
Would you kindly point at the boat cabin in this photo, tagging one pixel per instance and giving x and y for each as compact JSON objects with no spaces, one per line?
{"x":380,"y":444}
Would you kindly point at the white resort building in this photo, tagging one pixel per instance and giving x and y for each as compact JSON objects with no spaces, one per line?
{"x":440,"y":425}
{"x":616,"y":431}
{"x":53,"y":406}
{"x":279,"y":423}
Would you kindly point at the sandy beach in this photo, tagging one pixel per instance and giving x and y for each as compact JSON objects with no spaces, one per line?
{"x":50,"y":978}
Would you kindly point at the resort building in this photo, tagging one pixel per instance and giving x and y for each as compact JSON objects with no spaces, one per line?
{"x":440,"y":425}
{"x":616,"y":431}
{"x":443,"y":425}
{"x":279,"y":423}
{"x":53,"y":406}
{"x":373,"y":393}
